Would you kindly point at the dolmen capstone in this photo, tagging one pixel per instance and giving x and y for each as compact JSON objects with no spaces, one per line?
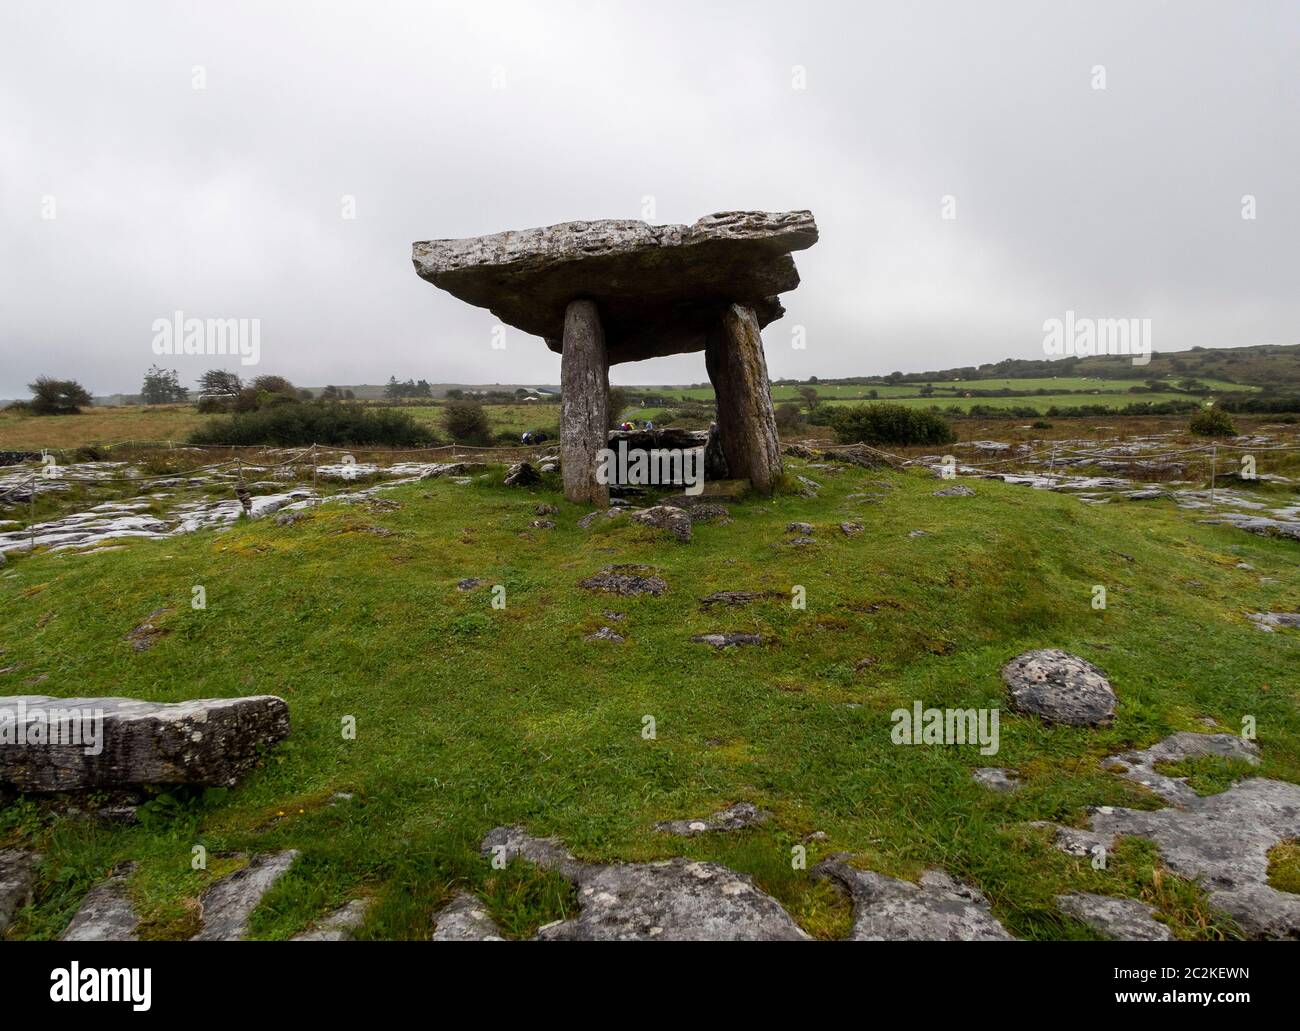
{"x":84,"y":744}
{"x":615,"y":290}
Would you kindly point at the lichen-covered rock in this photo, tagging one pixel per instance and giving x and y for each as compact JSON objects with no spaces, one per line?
{"x":209,"y":741}
{"x":17,"y":879}
{"x":670,"y":900}
{"x":996,"y":779}
{"x":666,"y":517}
{"x":728,"y":640}
{"x":228,"y":905}
{"x":959,"y":491}
{"x":937,"y":909}
{"x":1220,"y":840}
{"x":1126,"y":920}
{"x":340,"y":925}
{"x":465,"y":919}
{"x":1271,"y":621}
{"x":740,"y":816}
{"x":1059,"y":687}
{"x":106,"y":914}
{"x":625,"y":580}
{"x":1140,"y":766}
{"x":522,"y":475}
{"x":659,"y":289}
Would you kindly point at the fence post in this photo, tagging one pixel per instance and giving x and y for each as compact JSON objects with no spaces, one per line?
{"x":1214,"y":462}
{"x":313,"y":467}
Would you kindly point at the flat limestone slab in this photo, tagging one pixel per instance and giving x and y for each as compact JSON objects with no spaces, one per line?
{"x":659,"y":289}
{"x":82,"y":744}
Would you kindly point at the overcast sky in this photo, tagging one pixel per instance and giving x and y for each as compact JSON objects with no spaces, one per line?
{"x":457,"y":119}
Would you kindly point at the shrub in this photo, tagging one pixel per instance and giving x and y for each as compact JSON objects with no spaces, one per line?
{"x":466,"y":423}
{"x":890,"y":424}
{"x":1210,"y":422}
{"x":788,"y":418}
{"x":316,"y":422}
{"x":58,"y":396}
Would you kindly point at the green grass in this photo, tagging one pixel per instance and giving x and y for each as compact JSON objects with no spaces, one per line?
{"x":470,"y":717}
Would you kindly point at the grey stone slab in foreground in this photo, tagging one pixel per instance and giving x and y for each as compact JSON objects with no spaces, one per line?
{"x":937,"y":909}
{"x":1220,"y":840}
{"x":17,"y":878}
{"x":105,"y":914}
{"x":736,"y":817}
{"x":660,"y":289}
{"x":675,"y":899}
{"x":1126,"y":920}
{"x":465,"y":919}
{"x":228,"y":905}
{"x":81,"y":744}
{"x":1059,"y":687}
{"x":339,"y":926}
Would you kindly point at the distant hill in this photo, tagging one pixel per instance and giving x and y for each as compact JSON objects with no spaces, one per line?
{"x":1271,"y":367}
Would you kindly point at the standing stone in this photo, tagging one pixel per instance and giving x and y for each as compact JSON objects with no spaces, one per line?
{"x":734,"y":358}
{"x":715,"y":462}
{"x":584,"y":403}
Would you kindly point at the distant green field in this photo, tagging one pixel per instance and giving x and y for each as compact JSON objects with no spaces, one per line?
{"x":951,"y":388}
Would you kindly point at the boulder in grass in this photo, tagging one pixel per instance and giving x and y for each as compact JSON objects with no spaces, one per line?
{"x":1059,"y":687}
{"x":92,"y":744}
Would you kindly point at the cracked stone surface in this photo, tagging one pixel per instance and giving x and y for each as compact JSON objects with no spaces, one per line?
{"x":341,"y":925}
{"x":937,"y":909}
{"x":1126,"y":920}
{"x":996,"y":779}
{"x":208,"y":741}
{"x":17,"y":879}
{"x":464,"y":919}
{"x":1140,"y":766}
{"x":1059,"y":687}
{"x":105,"y":914}
{"x":659,"y":288}
{"x":228,"y":905}
{"x":1220,"y":840}
{"x":625,"y":580}
{"x":675,"y":899}
{"x":735,"y":817}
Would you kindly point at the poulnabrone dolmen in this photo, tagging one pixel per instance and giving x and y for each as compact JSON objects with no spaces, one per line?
{"x":614,"y":291}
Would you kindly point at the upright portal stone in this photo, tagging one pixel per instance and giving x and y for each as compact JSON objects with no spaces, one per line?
{"x":584,"y":403}
{"x":746,"y":422}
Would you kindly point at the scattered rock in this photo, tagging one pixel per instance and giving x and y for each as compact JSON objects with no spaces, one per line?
{"x":1220,"y":840}
{"x":120,"y":742}
{"x":740,"y":816}
{"x":996,"y":779}
{"x":810,"y":487}
{"x":1270,"y":621}
{"x":625,"y":580}
{"x":959,"y":491}
{"x":17,"y":879}
{"x":469,"y":583}
{"x":228,"y":905}
{"x":464,"y":919}
{"x":542,"y":524}
{"x":544,"y":509}
{"x":805,"y":529}
{"x":851,"y":529}
{"x":1140,"y":766}
{"x":936,"y":909}
{"x":919,"y":533}
{"x":860,"y":455}
{"x":341,"y":925}
{"x":735,"y":598}
{"x":604,"y":634}
{"x":1059,"y":687}
{"x":672,"y":900}
{"x":143,"y":637}
{"x":586,"y":521}
{"x":720,"y":641}
{"x":666,"y":517}
{"x":522,"y":475}
{"x":105,"y":914}
{"x":1126,"y":920}
{"x":800,"y":542}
